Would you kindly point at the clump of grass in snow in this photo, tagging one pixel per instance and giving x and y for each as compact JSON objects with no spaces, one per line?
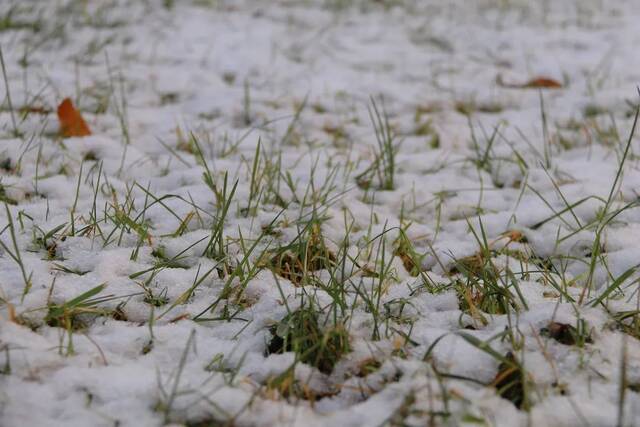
{"x":71,"y":315}
{"x":315,"y":344}
{"x":156,"y":299}
{"x":383,"y":169}
{"x":46,"y":240}
{"x":215,"y":248}
{"x":483,"y":287}
{"x":67,"y":314}
{"x":308,"y":252}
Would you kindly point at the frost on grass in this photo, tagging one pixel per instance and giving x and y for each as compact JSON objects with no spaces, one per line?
{"x":319,"y":213}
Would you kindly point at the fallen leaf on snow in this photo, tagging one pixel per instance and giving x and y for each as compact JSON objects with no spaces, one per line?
{"x":534,"y":83}
{"x":543,"y":82}
{"x":71,"y":121}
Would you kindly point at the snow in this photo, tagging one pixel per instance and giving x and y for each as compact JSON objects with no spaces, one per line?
{"x":299,"y":76}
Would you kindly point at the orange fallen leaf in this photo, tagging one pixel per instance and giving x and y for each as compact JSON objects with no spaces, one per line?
{"x":543,"y":82}
{"x":71,"y":121}
{"x":534,"y":83}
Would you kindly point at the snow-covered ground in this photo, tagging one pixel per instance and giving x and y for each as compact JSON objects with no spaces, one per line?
{"x":320,"y":212}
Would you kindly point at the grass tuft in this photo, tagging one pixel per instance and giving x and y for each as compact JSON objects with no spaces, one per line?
{"x":301,"y":333}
